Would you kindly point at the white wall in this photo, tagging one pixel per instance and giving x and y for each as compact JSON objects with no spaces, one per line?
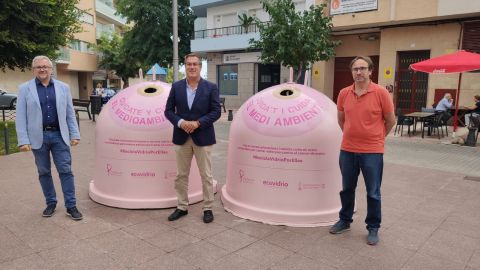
{"x":11,"y":79}
{"x":228,"y":13}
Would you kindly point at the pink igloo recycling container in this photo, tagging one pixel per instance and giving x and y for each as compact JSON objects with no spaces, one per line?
{"x":283,"y":158}
{"x":135,"y":158}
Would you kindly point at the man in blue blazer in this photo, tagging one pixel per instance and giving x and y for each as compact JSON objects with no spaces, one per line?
{"x":193,"y":105}
{"x":46,"y":124}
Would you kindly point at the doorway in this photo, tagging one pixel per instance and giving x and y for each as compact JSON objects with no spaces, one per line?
{"x":410,"y":89}
{"x":343,"y":76}
{"x":268,"y":75}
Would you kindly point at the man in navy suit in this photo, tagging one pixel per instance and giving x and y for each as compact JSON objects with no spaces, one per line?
{"x":192,"y":107}
{"x":46,"y":124}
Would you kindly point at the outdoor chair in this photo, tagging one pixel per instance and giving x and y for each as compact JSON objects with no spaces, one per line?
{"x":433,"y":124}
{"x":403,"y":120}
{"x":444,"y":120}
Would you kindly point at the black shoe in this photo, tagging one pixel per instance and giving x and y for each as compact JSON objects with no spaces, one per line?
{"x":74,"y":213}
{"x":48,"y":212}
{"x":207,"y":216}
{"x":177,"y":214}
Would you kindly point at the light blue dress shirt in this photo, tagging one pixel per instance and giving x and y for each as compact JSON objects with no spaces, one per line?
{"x":190,"y":97}
{"x":444,"y":105}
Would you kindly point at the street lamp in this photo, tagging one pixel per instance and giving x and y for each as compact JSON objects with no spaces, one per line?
{"x":175,"y":40}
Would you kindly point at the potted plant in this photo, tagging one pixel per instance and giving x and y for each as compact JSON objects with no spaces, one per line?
{"x":245,"y":21}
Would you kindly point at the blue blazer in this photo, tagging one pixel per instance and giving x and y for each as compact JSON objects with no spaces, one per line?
{"x":205,"y":109}
{"x":29,"y":122}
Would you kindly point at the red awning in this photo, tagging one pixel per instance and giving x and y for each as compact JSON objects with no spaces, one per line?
{"x":460,"y":61}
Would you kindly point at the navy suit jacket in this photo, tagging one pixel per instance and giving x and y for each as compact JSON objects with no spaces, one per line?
{"x":205,"y":109}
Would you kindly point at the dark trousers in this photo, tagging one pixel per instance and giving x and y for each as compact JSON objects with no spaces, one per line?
{"x":371,"y":166}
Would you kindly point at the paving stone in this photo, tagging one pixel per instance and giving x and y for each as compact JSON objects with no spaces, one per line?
{"x":450,"y":246}
{"x":299,"y":262}
{"x":200,"y":254}
{"x":30,"y":262}
{"x":231,"y":240}
{"x":427,"y":262}
{"x":264,"y":253}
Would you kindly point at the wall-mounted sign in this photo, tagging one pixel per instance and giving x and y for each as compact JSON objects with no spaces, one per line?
{"x":349,"y":6}
{"x":387,"y":73}
{"x":235,"y":58}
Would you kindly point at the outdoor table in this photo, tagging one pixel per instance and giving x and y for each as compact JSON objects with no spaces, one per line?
{"x":419,"y":116}
{"x":462,"y":111}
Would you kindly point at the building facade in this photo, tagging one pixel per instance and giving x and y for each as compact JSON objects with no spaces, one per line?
{"x":77,"y":63}
{"x":395,"y":33}
{"x":221,"y":38}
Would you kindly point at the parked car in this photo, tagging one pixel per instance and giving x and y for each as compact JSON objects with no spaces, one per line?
{"x":8,"y":100}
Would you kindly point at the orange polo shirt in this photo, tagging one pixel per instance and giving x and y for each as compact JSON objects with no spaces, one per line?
{"x":364,"y":127}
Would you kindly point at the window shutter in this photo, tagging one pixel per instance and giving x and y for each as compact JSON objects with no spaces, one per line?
{"x":471,"y":36}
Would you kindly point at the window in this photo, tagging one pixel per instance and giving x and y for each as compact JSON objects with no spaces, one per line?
{"x":104,"y":29}
{"x":86,"y":18}
{"x":228,"y":79}
{"x":81,"y":46}
{"x":471,"y":35}
{"x":75,"y":45}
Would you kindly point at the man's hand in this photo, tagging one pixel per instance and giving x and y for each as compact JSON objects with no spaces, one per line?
{"x":189,"y":126}
{"x":25,"y":147}
{"x":74,"y":142}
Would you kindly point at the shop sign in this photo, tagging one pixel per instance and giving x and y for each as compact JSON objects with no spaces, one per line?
{"x":235,"y":58}
{"x":350,"y":6}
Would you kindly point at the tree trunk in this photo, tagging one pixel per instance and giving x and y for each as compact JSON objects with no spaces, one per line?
{"x":299,"y":74}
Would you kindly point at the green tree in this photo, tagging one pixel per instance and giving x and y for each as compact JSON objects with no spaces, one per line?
{"x":169,"y":78}
{"x":150,"y":38}
{"x":35,"y":27}
{"x":113,"y":56}
{"x":294,"y":39}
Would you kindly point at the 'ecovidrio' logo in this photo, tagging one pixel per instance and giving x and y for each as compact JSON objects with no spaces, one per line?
{"x":275,"y":183}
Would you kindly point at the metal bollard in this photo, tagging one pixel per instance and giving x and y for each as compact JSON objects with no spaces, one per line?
{"x":5,"y":133}
{"x":230,"y":115}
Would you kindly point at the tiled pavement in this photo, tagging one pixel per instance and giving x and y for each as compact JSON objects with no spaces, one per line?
{"x":431,"y":221}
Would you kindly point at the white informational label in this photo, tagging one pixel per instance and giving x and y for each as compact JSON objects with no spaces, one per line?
{"x":349,"y":6}
{"x":235,"y":58}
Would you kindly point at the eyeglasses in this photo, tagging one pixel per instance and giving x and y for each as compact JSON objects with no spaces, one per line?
{"x":42,"y":67}
{"x":192,"y":64}
{"x":362,"y":69}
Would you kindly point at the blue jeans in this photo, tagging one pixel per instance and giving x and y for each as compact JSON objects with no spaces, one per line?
{"x":371,"y":166}
{"x":53,"y":143}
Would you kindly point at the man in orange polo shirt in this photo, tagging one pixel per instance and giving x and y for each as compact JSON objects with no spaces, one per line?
{"x":365,"y":114}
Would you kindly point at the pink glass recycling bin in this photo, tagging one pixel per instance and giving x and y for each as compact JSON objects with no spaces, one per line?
{"x":135,"y":158}
{"x":283,"y":155}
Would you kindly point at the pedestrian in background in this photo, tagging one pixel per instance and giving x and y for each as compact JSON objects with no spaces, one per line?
{"x":46,"y":125}
{"x":98,"y":90}
{"x":193,"y":105}
{"x":366,"y":116}
{"x":444,"y":106}
{"x":474,"y":110}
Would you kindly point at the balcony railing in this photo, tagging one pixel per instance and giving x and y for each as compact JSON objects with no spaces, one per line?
{"x":64,"y":56}
{"x":106,"y":9}
{"x":226,"y":31}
